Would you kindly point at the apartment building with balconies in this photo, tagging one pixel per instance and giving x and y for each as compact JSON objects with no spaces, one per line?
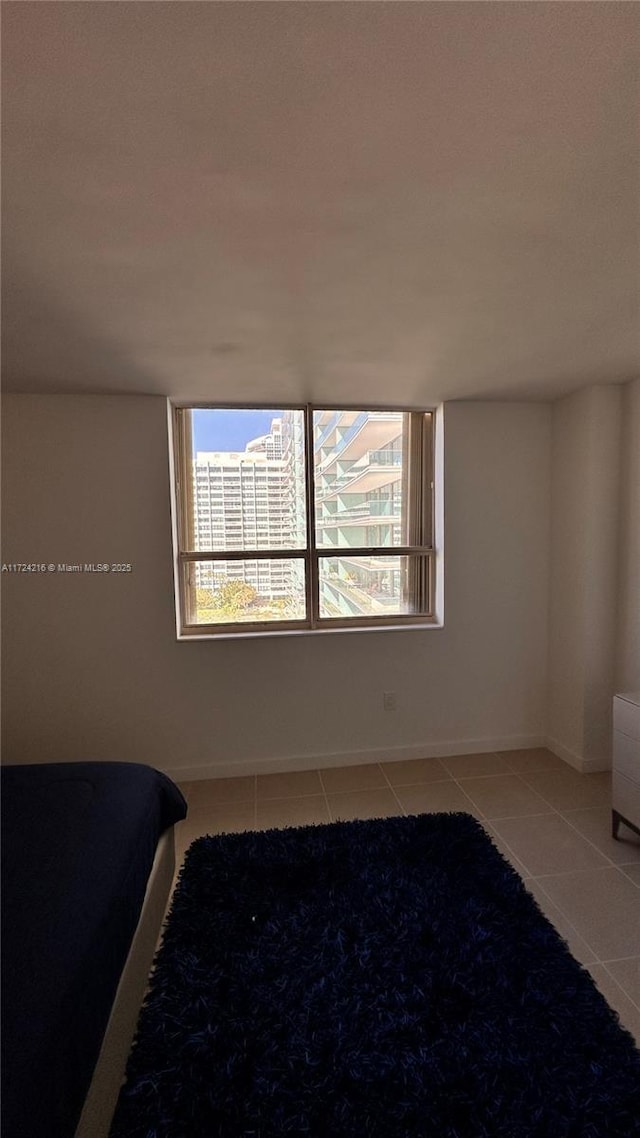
{"x":360,"y":465}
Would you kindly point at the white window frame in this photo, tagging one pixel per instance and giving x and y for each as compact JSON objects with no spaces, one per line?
{"x":425,"y":526}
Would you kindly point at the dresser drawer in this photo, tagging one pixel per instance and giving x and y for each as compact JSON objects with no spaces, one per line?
{"x":626,"y":756}
{"x":625,"y":797}
{"x":626,"y":717}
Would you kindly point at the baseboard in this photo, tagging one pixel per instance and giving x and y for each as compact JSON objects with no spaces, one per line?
{"x":280,"y":764}
{"x":578,"y":762}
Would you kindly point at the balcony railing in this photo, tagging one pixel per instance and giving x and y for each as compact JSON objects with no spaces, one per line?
{"x":365,"y":511}
{"x":326,"y":431}
{"x":363,"y":601}
{"x":385,"y":457}
{"x":350,"y":433}
{"x":341,"y":482}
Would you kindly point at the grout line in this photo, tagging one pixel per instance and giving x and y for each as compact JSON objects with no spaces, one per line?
{"x":364,"y":790}
{"x":526,"y":875}
{"x":290,"y":797}
{"x":537,"y":770}
{"x":516,"y":817}
{"x":618,"y":985}
{"x":419,"y":782}
{"x":583,"y":936}
{"x":481,"y":812}
{"x":566,"y":872}
{"x":326,"y":797}
{"x":569,"y":922}
{"x":595,"y":847}
{"x":194,"y":807}
{"x":494,"y":774}
{"x":619,"y":959}
{"x":392,"y":789}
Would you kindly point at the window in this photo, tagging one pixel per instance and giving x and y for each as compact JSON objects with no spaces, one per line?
{"x":339,"y":535}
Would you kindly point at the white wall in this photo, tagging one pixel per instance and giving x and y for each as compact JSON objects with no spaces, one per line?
{"x":92,"y":668}
{"x":627,"y":671}
{"x":594,"y":622}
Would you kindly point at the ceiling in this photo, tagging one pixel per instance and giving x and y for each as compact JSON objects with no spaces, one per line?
{"x":352,"y":202}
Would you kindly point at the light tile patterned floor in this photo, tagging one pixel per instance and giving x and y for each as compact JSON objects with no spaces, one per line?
{"x":551,"y":823}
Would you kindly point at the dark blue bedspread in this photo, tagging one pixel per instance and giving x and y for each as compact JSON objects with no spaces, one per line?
{"x":78,"y":842}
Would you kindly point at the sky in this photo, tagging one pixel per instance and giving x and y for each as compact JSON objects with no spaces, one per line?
{"x":229,"y":430}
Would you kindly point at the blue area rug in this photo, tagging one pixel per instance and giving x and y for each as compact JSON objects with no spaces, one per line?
{"x":386,"y":978}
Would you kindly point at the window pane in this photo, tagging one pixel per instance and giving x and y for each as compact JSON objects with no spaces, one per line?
{"x":248,"y":477}
{"x":380,"y":585}
{"x":360,"y":466}
{"x":240,"y":592}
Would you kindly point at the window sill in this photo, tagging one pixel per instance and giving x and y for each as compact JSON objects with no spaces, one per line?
{"x":431,"y":626}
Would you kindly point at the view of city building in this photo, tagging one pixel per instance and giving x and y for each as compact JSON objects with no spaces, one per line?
{"x":358,"y":457}
{"x":254,"y":499}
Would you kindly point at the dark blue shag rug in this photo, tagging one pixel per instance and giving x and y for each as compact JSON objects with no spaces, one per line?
{"x":386,"y":978}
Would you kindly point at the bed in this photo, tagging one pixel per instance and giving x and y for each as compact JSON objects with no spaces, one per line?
{"x":87,"y":866}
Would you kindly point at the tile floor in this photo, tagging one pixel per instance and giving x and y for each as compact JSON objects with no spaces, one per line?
{"x":550,"y":822}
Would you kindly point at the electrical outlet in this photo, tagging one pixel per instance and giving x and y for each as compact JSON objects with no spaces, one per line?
{"x":389,"y":701}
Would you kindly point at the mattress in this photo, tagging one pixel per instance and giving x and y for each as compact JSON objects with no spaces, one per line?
{"x":78,"y":843}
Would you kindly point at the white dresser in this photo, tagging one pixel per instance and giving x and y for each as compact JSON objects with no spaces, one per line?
{"x":625,"y":788}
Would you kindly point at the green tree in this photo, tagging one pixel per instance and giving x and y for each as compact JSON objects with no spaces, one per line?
{"x":205,"y":598}
{"x":235,"y":596}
